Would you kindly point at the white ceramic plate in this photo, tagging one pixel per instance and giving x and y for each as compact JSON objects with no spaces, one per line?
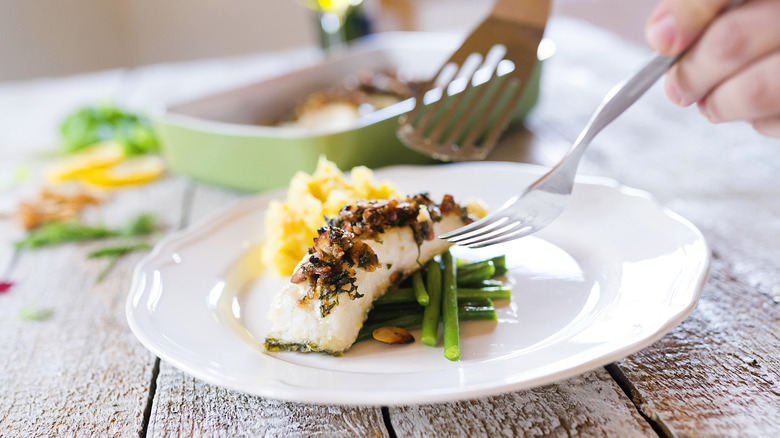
{"x":613,"y":274}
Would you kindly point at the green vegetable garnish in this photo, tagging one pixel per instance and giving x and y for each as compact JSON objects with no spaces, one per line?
{"x":118,"y":250}
{"x":52,"y":233}
{"x":432,"y":313}
{"x":91,"y":125}
{"x":418,"y":285}
{"x":113,"y":253}
{"x":34,"y":314}
{"x":448,"y":301}
{"x":141,"y":225}
{"x":449,"y":307}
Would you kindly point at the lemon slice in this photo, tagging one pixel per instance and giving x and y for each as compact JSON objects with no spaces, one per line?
{"x":134,"y":170}
{"x":97,"y":156}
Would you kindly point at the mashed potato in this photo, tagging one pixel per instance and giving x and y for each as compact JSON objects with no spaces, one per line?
{"x":291,"y":226}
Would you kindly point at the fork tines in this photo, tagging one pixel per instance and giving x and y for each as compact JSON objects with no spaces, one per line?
{"x":500,"y":226}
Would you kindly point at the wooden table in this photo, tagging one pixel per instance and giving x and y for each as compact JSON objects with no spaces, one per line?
{"x":81,"y":372}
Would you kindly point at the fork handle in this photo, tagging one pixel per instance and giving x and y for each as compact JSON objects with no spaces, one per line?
{"x":617,"y":100}
{"x":623,"y":96}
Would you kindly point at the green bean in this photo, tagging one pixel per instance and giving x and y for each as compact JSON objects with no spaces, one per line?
{"x":449,"y":308}
{"x":479,"y":272}
{"x":388,"y":312}
{"x":402,"y":295}
{"x":500,"y":263}
{"x":419,"y":288}
{"x":432,"y":315}
{"x":391,"y":311}
{"x":487,"y":283}
{"x":492,"y":293}
{"x":406,"y":295}
{"x":472,"y":266}
{"x":479,"y":310}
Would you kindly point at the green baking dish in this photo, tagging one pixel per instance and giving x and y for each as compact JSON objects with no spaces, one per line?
{"x":216,"y":139}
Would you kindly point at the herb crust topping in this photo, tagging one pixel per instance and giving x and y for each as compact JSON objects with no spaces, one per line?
{"x":337,"y":251}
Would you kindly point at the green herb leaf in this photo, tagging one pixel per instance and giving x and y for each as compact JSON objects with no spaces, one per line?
{"x":34,"y":314}
{"x":111,"y":263}
{"x":113,"y":253}
{"x":52,"y":233}
{"x":104,"y":122}
{"x":118,"y":250}
{"x":140,"y":226}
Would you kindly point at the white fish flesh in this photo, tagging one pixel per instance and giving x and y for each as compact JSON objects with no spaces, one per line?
{"x":368,"y":248}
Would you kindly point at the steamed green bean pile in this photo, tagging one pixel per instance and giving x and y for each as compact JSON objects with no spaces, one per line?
{"x":440,"y":295}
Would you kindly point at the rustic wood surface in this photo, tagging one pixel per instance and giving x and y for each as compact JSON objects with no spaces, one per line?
{"x":82,"y":373}
{"x":588,"y":405}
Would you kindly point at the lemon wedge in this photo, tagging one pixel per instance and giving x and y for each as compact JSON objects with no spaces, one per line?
{"x":133,"y":170}
{"x":97,"y":156}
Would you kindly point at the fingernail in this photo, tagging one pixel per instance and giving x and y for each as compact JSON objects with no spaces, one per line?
{"x":704,"y":109}
{"x":672,"y":92}
{"x":662,"y":32}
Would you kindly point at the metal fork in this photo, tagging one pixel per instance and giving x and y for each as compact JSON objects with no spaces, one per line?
{"x":451,"y":133}
{"x":545,"y":199}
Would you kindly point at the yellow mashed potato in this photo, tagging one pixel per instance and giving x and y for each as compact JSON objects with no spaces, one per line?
{"x":291,"y":225}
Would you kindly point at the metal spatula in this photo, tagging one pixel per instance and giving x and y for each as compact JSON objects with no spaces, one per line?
{"x":450,"y":128}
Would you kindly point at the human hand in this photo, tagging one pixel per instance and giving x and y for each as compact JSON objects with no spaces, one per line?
{"x":732,"y":69}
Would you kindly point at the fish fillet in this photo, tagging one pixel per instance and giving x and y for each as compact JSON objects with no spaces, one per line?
{"x":370,"y":247}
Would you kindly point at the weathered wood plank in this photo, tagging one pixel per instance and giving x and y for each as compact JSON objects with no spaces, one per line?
{"x":587,"y":405}
{"x":718,"y":373}
{"x":185,"y":406}
{"x":80,"y":372}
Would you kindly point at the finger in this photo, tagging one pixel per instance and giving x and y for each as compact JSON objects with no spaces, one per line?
{"x":732,"y":41}
{"x":769,"y":127}
{"x":751,"y":94}
{"x":675,"y":24}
